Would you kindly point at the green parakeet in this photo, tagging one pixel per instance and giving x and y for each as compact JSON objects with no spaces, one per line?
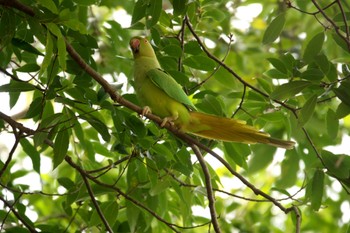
{"x":159,"y":92}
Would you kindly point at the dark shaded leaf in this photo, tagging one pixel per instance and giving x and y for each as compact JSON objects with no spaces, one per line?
{"x":61,"y":147}
{"x":17,"y":87}
{"x":34,"y":155}
{"x":179,"y":7}
{"x":200,"y":62}
{"x":35,"y":108}
{"x":307,"y":110}
{"x":343,"y":93}
{"x":332,"y":124}
{"x":317,"y":190}
{"x":31,"y":67}
{"x":154,"y":9}
{"x":23,"y":45}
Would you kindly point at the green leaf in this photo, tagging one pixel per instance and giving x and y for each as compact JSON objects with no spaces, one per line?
{"x":215,"y":14}
{"x":8,"y":25}
{"x":110,"y":212}
{"x":179,"y":7}
{"x":35,"y":108}
{"x":164,"y":152}
{"x":317,"y":190}
{"x":332,"y":124}
{"x":211,"y":104}
{"x":15,"y":86}
{"x":278,"y":64}
{"x":75,"y":25}
{"x":290,"y":89}
{"x":66,"y":182}
{"x":274,"y":29}
{"x":23,"y":45}
{"x":34,"y":155}
{"x":161,"y":186}
{"x":132,"y":213}
{"x":289,"y":169}
{"x":99,"y":126}
{"x":274,"y":73}
{"x":258,"y":162}
{"x":337,"y":165}
{"x":49,"y":4}
{"x":61,"y":47}
{"x":136,"y":126}
{"x":200,"y":62}
{"x":173,"y":50}
{"x":61,"y":147}
{"x":314,"y":47}
{"x":48,"y":53}
{"x":312,"y":75}
{"x":340,"y":42}
{"x":46,"y":126}
{"x":139,"y":11}
{"x":307,"y":110}
{"x":31,"y":67}
{"x":238,"y":153}
{"x":343,"y":93}
{"x":54,"y":29}
{"x":192,"y":47}
{"x":154,"y":9}
{"x":342,"y":111}
{"x":86,"y":2}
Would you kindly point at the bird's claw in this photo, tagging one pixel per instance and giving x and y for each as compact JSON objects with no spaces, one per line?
{"x":145,"y":111}
{"x":168,"y":120}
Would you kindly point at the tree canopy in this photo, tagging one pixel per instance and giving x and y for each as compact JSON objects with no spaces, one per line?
{"x":79,"y":158}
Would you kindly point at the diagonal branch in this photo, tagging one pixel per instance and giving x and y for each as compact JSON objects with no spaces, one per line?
{"x":209,"y":188}
{"x":94,"y":202}
{"x":20,"y":218}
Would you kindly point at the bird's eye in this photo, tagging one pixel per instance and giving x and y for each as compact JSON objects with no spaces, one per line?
{"x":146,"y":41}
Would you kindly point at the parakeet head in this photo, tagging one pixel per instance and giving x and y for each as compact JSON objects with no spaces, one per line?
{"x":141,"y":47}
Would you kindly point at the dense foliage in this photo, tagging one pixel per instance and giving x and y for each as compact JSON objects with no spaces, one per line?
{"x":79,"y":158}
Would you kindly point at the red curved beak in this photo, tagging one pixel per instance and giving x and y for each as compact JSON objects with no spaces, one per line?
{"x":135,"y":45}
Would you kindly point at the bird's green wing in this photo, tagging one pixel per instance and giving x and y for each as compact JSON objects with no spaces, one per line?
{"x":167,"y":83}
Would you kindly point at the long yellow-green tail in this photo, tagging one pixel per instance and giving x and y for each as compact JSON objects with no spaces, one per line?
{"x":226,"y":129}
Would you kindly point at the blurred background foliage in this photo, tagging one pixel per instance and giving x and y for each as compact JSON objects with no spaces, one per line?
{"x":282,"y":66}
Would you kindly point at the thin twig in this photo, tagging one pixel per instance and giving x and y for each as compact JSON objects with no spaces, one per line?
{"x":13,"y":149}
{"x":137,"y":203}
{"x":19,"y":217}
{"x":209,"y":188}
{"x":335,"y":26}
{"x":94,"y":202}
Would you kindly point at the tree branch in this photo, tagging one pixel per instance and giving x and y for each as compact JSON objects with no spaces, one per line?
{"x":94,"y":202}
{"x":20,"y":218}
{"x":209,"y":188}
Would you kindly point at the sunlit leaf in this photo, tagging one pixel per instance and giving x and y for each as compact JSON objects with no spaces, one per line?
{"x":290,"y":89}
{"x":314,"y":47}
{"x":274,"y":29}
